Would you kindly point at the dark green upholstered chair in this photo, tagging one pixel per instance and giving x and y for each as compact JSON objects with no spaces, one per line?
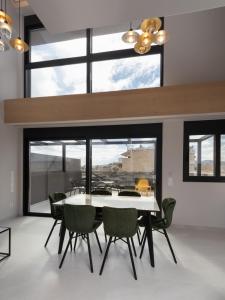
{"x":80,"y":220}
{"x":121,"y":223}
{"x":100,"y":192}
{"x":131,"y":193}
{"x":56,"y":211}
{"x":161,"y":224}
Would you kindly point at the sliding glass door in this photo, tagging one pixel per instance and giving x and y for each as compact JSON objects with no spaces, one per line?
{"x":79,"y":160}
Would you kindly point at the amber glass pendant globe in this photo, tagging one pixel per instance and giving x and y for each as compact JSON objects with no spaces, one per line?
{"x":141,"y":49}
{"x":145,"y":39}
{"x":161,"y":37}
{"x":19,"y":45}
{"x":4,"y":16}
{"x":130,"y":36}
{"x":151,"y":25}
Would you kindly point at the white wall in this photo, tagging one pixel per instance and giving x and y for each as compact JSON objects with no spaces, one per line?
{"x":198,"y":203}
{"x":10,"y":87}
{"x":195,"y":53}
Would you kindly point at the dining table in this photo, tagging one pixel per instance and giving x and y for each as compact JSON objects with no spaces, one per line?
{"x":146,"y":205}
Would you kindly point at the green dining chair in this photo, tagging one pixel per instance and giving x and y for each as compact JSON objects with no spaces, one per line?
{"x":56,"y":211}
{"x":80,"y":221}
{"x":100,"y":192}
{"x":161,"y":224}
{"x":121,"y":223}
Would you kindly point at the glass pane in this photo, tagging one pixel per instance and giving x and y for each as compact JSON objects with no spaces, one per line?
{"x":222,"y":164}
{"x":62,"y":80}
{"x":124,"y":165}
{"x":45,"y":46}
{"x":51,"y":172}
{"x":193,"y":159}
{"x":207,"y":156}
{"x":126,"y":73}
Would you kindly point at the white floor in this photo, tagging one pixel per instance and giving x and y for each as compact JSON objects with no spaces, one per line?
{"x":32,"y":271}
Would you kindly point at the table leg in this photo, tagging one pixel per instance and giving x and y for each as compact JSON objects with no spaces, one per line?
{"x":62,"y":235}
{"x":148,"y":227}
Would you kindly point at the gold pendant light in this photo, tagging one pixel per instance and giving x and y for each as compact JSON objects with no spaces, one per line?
{"x":151,"y":34}
{"x":18,"y":44}
{"x":130,"y":36}
{"x":5,"y":23}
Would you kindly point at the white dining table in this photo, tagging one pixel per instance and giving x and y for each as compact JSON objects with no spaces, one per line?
{"x":145,"y":204}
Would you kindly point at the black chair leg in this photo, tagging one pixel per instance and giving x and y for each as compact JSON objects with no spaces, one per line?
{"x":105,"y":256}
{"x":138,"y":237}
{"x":50,"y":233}
{"x":171,"y":249}
{"x":89,"y":252}
{"x":105,"y":238}
{"x":64,"y":255}
{"x":143,"y":244}
{"x":143,"y":236}
{"x":75,"y":242}
{"x":132,"y":242}
{"x":99,"y":245}
{"x":131,"y":258}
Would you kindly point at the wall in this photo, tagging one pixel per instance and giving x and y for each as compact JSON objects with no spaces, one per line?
{"x":10,"y":153}
{"x":198,"y":203}
{"x":195,"y":52}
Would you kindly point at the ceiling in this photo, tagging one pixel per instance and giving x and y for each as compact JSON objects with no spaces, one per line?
{"x":69,"y":15}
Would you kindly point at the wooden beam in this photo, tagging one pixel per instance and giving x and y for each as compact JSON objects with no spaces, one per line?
{"x":143,"y":103}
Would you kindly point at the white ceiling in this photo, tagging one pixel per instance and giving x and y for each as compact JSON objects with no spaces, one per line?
{"x":69,"y":15}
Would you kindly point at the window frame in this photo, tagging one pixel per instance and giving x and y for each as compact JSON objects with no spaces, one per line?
{"x":33,"y":23}
{"x":206,"y":127}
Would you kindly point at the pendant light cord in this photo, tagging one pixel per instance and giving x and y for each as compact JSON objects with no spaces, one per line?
{"x":1,"y":5}
{"x":19,"y":19}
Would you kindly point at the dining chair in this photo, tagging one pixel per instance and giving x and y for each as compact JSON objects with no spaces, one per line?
{"x":131,"y":193}
{"x":161,"y":224}
{"x":80,"y":221}
{"x":121,"y":223}
{"x":100,"y":192}
{"x":56,"y":211}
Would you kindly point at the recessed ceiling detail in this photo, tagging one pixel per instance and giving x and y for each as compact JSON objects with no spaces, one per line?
{"x":69,"y":15}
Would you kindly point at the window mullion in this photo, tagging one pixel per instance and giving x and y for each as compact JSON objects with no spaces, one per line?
{"x":217,"y":155}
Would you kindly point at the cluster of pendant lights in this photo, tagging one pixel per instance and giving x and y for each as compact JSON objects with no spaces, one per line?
{"x":151,"y":34}
{"x":6,"y":31}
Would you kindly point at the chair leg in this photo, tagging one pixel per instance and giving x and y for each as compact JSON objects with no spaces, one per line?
{"x":99,"y":245}
{"x":50,"y":233}
{"x":105,"y":256}
{"x":64,"y":255}
{"x":143,"y":236}
{"x":105,"y":238}
{"x":75,"y":243}
{"x":138,"y":237}
{"x":143,"y":244}
{"x":71,"y":243}
{"x":171,"y":249}
{"x":89,"y":252}
{"x":132,"y":242}
{"x":131,"y":258}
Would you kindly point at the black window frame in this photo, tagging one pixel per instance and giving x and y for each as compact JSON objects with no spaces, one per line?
{"x":88,"y":133}
{"x":33,"y":23}
{"x":206,"y":127}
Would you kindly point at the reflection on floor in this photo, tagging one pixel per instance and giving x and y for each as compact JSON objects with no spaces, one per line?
{"x":32,"y":270}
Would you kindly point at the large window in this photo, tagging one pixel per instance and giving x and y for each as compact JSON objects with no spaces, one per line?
{"x":81,"y":159}
{"x":204,"y":151}
{"x":86,"y":61}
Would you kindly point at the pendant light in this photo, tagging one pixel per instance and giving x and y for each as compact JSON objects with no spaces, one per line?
{"x":18,"y":43}
{"x":5,"y":26}
{"x":2,"y":45}
{"x":130,"y":36}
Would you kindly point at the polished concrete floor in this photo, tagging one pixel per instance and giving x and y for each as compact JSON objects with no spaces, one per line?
{"x":32,"y":270}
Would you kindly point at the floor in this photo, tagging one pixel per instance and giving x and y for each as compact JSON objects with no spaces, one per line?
{"x":32,"y":270}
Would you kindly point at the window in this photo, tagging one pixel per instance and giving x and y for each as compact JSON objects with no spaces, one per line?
{"x":204,"y":151}
{"x":77,"y":160}
{"x":86,"y":61}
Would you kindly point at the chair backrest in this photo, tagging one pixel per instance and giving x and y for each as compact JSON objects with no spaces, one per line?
{"x":54,"y":197}
{"x":129,"y":193}
{"x":79,"y":218}
{"x":120,"y":222}
{"x":101,"y":192}
{"x":168,"y":206}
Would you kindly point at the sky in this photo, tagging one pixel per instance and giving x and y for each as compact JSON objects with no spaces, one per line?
{"x":111,"y":75}
{"x":101,"y":154}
